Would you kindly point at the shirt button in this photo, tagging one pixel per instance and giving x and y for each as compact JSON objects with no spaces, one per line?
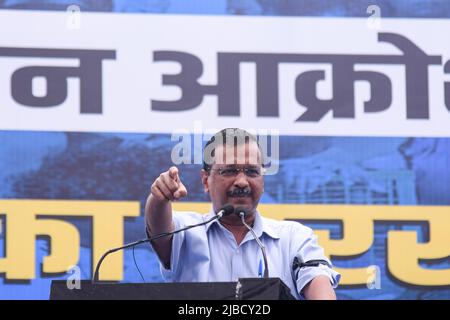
{"x":237,"y":251}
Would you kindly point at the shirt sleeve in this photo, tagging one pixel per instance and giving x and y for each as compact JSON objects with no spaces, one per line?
{"x":177,"y":243}
{"x":306,"y":248}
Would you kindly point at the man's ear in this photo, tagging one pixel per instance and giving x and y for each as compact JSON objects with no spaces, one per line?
{"x":204,"y":175}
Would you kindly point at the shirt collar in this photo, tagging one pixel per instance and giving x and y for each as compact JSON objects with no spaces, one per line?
{"x":259,"y":225}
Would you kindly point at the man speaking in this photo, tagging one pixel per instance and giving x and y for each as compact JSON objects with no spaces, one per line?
{"x":224,"y":249}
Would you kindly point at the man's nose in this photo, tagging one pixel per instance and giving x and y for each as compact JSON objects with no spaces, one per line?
{"x":241,"y":180}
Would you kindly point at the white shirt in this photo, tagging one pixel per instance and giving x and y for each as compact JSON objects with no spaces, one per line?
{"x":210,"y":253}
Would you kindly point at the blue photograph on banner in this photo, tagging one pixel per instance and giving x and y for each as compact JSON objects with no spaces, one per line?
{"x":305,"y":8}
{"x":313,"y":170}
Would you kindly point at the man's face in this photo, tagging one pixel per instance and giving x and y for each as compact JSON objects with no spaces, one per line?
{"x":236,"y":178}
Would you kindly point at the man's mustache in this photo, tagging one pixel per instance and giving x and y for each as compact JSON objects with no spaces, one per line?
{"x":239,"y":192}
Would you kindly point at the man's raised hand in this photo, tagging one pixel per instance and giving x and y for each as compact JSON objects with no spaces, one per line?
{"x":168,"y":186}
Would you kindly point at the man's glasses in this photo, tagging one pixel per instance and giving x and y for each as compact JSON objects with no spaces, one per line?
{"x":252,"y":172}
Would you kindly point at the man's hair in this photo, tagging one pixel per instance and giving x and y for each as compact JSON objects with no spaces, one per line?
{"x":224,"y":136}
